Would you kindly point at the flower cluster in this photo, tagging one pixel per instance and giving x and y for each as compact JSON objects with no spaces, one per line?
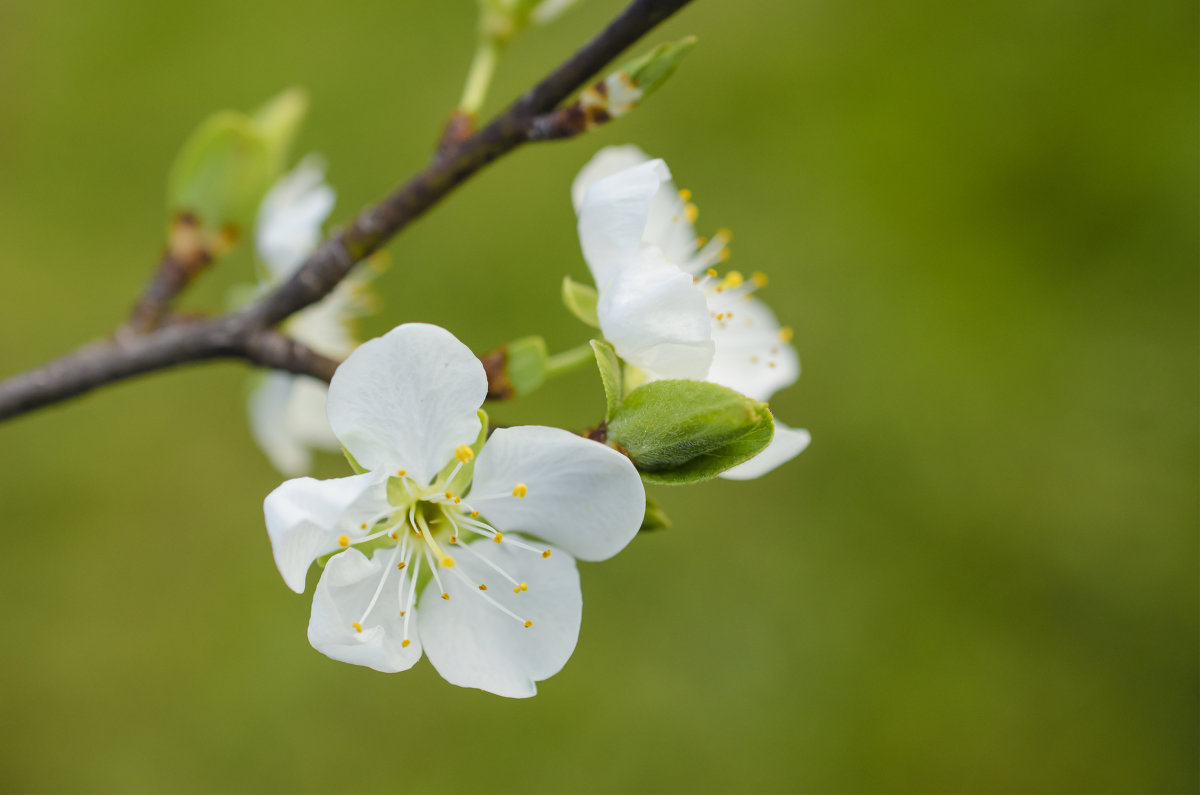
{"x":662,"y":303}
{"x":287,"y":412}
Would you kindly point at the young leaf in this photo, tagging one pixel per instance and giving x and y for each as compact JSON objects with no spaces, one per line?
{"x":610,"y":375}
{"x":580,"y":300}
{"x":525,"y":364}
{"x":688,"y":431}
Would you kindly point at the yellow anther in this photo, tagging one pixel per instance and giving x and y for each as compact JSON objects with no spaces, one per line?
{"x":404,"y":643}
{"x":343,"y":541}
{"x":520,"y":490}
{"x":700,"y":241}
{"x":445,"y":595}
{"x":401,"y":472}
{"x":457,"y":500}
{"x":401,"y":565}
{"x":524,"y":586}
{"x":474,"y":514}
{"x":453,"y":539}
{"x":482,"y":586}
{"x":691,"y":212}
{"x":516,"y":589}
{"x":546,"y":554}
{"x":464,"y":453}
{"x":685,"y":194}
{"x":447,"y":562}
{"x":733,"y":279}
{"x":528,"y":624}
{"x":759,"y":278}
{"x":720,"y":316}
{"x":357,"y":626}
{"x":395,"y":534}
{"x":362,"y":526}
{"x":498,"y":537}
{"x":723,"y":255}
{"x":725,"y":234}
{"x":712,"y":272}
{"x":770,"y":364}
{"x":785,"y":334}
{"x":448,"y":495}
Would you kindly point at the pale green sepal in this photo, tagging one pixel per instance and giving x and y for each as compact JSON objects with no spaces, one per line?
{"x":680,"y":431}
{"x":610,"y":375}
{"x":650,"y":71}
{"x":655,"y":519}
{"x":357,"y":467}
{"x":581,"y":300}
{"x":525,"y":364}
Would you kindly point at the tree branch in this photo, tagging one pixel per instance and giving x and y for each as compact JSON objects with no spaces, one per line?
{"x":246,"y":334}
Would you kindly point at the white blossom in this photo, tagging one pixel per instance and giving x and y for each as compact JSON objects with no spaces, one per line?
{"x":286,"y":411}
{"x":462,"y":549}
{"x":662,"y":303}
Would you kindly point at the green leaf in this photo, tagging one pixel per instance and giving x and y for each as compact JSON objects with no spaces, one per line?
{"x":229,"y":162}
{"x":655,"y":519}
{"x":649,"y":72}
{"x":610,"y":376}
{"x":580,"y":300}
{"x":525,"y":364}
{"x":688,"y":431}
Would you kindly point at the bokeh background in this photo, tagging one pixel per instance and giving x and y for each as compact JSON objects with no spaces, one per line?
{"x":980,"y":219}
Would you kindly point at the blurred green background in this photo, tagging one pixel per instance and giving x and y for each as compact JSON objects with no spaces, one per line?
{"x":980,"y":218}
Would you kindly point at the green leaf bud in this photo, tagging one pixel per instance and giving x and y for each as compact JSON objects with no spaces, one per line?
{"x":679,"y":431}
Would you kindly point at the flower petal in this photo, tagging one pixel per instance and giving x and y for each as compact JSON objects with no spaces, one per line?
{"x":347,"y":588}
{"x":657,"y":319}
{"x":785,"y":445}
{"x":579,"y":494}
{"x":612,"y":217}
{"x":472,"y":643}
{"x":407,"y":399}
{"x":751,"y":355}
{"x":667,"y":225}
{"x":268,"y":410}
{"x":305,"y":517}
{"x":290,"y":217}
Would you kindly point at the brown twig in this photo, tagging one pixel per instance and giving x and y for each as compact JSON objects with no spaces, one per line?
{"x":241,"y":334}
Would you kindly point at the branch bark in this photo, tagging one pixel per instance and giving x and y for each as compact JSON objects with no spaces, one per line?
{"x":246,"y":334}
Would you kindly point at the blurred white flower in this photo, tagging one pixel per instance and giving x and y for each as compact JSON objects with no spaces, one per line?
{"x":664,"y":307}
{"x":497,"y":610}
{"x":286,"y":411}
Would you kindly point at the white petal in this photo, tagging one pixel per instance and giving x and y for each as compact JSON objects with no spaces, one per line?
{"x":579,"y":494}
{"x":785,"y":445}
{"x":305,"y":517}
{"x":667,"y":225}
{"x":657,"y":319}
{"x":268,"y":413}
{"x":290,"y":217}
{"x":347,"y":587}
{"x":751,"y":355}
{"x":473,"y":644}
{"x":608,"y":161}
{"x":287,"y":420}
{"x":407,"y":399}
{"x":613,"y":216}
